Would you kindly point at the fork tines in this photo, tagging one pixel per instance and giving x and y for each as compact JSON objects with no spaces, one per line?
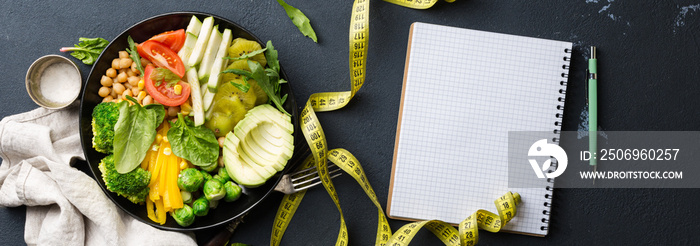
{"x":307,"y":181}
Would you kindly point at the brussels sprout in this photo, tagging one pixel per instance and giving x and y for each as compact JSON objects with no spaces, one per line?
{"x":183,"y":216}
{"x":210,"y":168}
{"x":214,"y":190}
{"x":219,"y":178}
{"x":213,"y":204}
{"x":186,"y":196}
{"x":201,"y":206}
{"x":206,"y":176}
{"x":190,"y":180}
{"x":224,"y":174}
{"x":233,"y":191}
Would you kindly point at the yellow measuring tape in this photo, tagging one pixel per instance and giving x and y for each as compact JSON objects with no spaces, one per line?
{"x":315,"y":137}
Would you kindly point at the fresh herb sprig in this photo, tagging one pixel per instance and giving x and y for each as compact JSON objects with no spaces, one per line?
{"x":268,"y":78}
{"x":134,"y":54}
{"x":87,"y":50}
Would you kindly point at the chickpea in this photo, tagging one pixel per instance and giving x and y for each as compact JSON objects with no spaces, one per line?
{"x":122,"y":77}
{"x":133,"y":80}
{"x":173,"y":110}
{"x":106,"y":81}
{"x":125,"y":62}
{"x":130,"y":73}
{"x":118,"y":88}
{"x":126,"y":93}
{"x":115,"y":63}
{"x":113,"y":94}
{"x":144,"y":62}
{"x":128,"y":86}
{"x":135,"y":91}
{"x":221,"y":141}
{"x":109,"y":98}
{"x":147,"y":100}
{"x":123,"y":54}
{"x":134,"y":68}
{"x":111,"y":72}
{"x":104,"y":91}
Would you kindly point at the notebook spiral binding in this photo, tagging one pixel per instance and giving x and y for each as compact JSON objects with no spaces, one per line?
{"x":560,"y":107}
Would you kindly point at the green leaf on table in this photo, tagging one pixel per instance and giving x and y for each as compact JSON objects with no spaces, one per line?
{"x":299,"y":20}
{"x":87,"y":50}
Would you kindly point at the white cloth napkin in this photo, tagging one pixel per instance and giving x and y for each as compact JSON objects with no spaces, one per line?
{"x":64,"y":205}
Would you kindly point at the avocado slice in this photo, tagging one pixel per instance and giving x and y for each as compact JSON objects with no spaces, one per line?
{"x":260,"y":145}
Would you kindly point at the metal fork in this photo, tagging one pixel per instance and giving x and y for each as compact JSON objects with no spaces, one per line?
{"x":304,"y":179}
{"x":289,"y":184}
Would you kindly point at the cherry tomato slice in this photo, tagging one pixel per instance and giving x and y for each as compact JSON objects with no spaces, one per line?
{"x":163,"y":93}
{"x":162,"y":56}
{"x":171,"y":39}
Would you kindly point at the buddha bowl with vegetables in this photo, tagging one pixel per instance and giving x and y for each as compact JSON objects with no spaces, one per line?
{"x":187,"y":132}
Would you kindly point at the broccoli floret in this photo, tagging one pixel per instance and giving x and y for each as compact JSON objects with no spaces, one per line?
{"x":104,"y":117}
{"x":132,"y":185}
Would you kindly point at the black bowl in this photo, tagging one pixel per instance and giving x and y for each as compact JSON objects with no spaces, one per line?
{"x":140,"y":32}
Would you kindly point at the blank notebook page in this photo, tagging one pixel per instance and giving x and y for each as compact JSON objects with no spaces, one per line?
{"x":464,"y":90}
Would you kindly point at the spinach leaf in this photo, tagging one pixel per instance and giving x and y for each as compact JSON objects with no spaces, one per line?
{"x":196,"y":144}
{"x":134,"y":54}
{"x":87,"y":50}
{"x":299,"y":20}
{"x":134,"y":133}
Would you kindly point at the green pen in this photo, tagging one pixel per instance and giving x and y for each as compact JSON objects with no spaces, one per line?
{"x":593,"y":107}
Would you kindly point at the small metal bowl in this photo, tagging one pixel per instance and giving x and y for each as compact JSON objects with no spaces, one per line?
{"x":59,"y":99}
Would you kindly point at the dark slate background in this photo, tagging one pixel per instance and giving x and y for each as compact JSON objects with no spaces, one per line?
{"x":648,"y":66}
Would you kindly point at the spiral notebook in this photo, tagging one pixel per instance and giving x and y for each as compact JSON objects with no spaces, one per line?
{"x":463,"y":91}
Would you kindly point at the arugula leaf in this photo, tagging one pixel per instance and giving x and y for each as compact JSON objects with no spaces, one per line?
{"x":243,"y":87}
{"x":247,"y":75}
{"x":271,"y":56}
{"x":87,"y":50}
{"x":247,"y":56}
{"x":196,"y":144}
{"x":160,"y":75}
{"x":134,"y":133}
{"x":258,"y":74}
{"x":134,"y":54}
{"x":239,"y":72}
{"x":299,"y":20}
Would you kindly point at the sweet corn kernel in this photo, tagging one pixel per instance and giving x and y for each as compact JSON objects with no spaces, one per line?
{"x":185,"y":113}
{"x":141,"y":96}
{"x":183,"y":165}
{"x":165,"y":139}
{"x":178,"y":89}
{"x":159,"y":138}
{"x":141,"y":84}
{"x":167,"y":151}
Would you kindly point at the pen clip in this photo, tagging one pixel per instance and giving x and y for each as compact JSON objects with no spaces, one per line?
{"x":586,"y":83}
